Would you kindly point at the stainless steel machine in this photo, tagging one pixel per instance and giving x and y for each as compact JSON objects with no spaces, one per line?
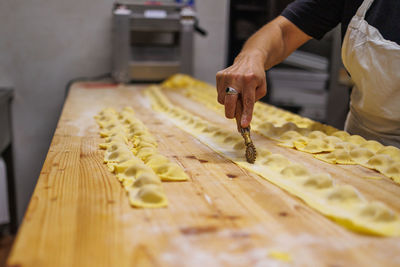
{"x":152,"y":40}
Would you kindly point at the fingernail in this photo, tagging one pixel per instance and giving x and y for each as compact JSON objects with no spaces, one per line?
{"x":244,"y":121}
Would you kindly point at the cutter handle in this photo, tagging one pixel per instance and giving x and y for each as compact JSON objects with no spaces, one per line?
{"x":245,"y":132}
{"x":246,"y":136}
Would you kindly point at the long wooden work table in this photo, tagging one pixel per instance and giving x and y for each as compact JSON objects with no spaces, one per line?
{"x":79,"y":214}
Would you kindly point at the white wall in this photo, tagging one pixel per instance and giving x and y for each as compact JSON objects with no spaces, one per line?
{"x":44,"y":44}
{"x":210,"y":52}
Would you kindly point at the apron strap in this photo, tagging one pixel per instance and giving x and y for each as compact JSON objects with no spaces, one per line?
{"x":362,"y":10}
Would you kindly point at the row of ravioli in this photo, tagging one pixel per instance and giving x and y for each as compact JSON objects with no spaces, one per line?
{"x":131,"y":153}
{"x":338,"y":148}
{"x":291,"y":130}
{"x":224,"y":136}
{"x":207,"y":95}
{"x":341,"y":202}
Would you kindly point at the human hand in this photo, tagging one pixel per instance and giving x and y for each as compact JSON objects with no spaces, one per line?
{"x":247,"y":77}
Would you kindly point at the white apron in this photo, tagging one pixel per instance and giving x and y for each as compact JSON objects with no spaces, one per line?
{"x":374,"y":65}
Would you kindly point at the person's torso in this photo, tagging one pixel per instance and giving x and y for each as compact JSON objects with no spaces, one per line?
{"x":373,"y":62}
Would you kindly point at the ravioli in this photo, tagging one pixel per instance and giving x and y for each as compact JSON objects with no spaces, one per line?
{"x":318,"y":181}
{"x":357,"y":150}
{"x":148,"y":196}
{"x":338,"y":156}
{"x":393,"y":171}
{"x":276,"y":162}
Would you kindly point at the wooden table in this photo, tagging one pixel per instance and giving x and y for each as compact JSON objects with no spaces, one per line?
{"x":79,"y":214}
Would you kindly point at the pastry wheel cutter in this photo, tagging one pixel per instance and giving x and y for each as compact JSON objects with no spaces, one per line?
{"x":251,"y":152}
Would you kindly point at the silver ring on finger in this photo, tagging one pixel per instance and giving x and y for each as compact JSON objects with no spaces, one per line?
{"x":231,"y":91}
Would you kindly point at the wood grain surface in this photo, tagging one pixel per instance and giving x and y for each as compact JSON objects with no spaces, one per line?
{"x":79,"y":214}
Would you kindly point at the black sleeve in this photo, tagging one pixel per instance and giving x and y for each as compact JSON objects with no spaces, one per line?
{"x":315,"y":17}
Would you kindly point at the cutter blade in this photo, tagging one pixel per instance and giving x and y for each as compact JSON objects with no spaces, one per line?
{"x":251,"y":153}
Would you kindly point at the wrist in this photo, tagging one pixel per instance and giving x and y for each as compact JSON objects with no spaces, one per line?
{"x":257,"y":57}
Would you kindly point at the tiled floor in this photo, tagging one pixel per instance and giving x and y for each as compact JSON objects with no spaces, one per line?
{"x":5,"y":247}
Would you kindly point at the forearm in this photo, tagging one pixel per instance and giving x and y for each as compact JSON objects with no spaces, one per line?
{"x":273,"y":43}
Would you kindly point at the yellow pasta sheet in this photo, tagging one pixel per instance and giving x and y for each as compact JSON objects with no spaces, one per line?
{"x":342,"y":203}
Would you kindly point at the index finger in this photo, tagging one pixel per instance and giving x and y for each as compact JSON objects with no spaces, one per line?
{"x":248,"y":99}
{"x":238,"y":113}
